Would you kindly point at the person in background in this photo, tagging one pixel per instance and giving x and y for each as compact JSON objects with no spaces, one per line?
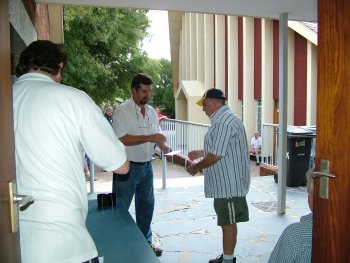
{"x":226,"y":168}
{"x":295,"y":243}
{"x":255,"y":147}
{"x":50,"y":149}
{"x":160,"y":115}
{"x":136,"y":125}
{"x":109,"y":114}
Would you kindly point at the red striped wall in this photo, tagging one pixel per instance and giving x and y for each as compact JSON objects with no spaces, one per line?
{"x":226,"y":56}
{"x":240,"y":58}
{"x":275,"y":69}
{"x":257,"y":58}
{"x":214,"y":39}
{"x":300,"y":79}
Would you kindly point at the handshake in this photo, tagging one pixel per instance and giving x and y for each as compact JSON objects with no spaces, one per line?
{"x":194,"y":167}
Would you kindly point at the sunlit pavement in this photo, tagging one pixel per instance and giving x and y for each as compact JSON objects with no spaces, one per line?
{"x":184,"y":222}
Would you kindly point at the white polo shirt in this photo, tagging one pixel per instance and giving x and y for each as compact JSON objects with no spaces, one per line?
{"x":256,"y":142}
{"x":128,"y":119}
{"x":54,"y":124}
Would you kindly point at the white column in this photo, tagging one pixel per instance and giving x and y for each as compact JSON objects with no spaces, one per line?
{"x":232,"y":96}
{"x":209,"y":51}
{"x":200,"y":47}
{"x":193,"y":46}
{"x":311,"y":102}
{"x":187,"y":46}
{"x":248,"y":76}
{"x":183,"y":48}
{"x":220,"y":52}
{"x":267,"y":102}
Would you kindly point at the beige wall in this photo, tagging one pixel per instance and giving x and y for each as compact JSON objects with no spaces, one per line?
{"x":232,"y":97}
{"x":311,"y":84}
{"x":196,"y":68}
{"x":267,"y":74}
{"x":248,"y":76}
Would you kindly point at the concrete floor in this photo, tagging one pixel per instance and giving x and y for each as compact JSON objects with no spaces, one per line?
{"x":184,"y":222}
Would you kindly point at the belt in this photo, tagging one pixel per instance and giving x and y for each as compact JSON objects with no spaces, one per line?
{"x":139,"y":163}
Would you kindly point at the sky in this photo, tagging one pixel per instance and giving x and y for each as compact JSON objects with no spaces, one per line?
{"x":157,"y":45}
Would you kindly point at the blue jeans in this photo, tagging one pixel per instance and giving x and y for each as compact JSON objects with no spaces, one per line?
{"x":138,"y":182}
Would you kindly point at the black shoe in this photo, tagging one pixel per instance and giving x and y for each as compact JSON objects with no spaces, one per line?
{"x":257,"y":164}
{"x":156,"y":250}
{"x":220,"y":259}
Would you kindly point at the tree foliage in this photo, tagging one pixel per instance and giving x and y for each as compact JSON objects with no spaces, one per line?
{"x":104,"y":50}
{"x":163,"y":89}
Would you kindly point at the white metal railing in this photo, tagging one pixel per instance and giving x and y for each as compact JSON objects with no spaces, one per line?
{"x":183,"y":135}
{"x":269,"y":143}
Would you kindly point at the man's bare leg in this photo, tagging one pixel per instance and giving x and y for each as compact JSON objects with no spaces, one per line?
{"x":229,"y":238}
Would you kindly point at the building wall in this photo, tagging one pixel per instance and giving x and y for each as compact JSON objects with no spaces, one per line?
{"x":239,"y":55}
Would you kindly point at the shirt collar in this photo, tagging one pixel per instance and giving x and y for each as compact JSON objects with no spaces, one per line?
{"x":35,"y":75}
{"x":217,"y":113}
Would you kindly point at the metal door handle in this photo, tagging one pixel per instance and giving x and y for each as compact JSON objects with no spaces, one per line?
{"x":17,"y":202}
{"x":323,"y":174}
{"x":23,"y":200}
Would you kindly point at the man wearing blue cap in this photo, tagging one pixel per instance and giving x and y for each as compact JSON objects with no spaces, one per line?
{"x":226,"y":168}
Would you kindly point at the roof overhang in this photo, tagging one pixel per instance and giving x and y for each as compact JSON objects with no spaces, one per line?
{"x":299,"y":10}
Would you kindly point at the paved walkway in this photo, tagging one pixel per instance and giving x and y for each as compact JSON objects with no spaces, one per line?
{"x":184,"y":222}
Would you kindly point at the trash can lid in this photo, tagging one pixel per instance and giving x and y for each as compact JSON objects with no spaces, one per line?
{"x":301,"y":131}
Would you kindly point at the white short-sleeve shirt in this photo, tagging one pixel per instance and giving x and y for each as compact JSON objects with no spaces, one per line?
{"x":54,"y":124}
{"x":256,"y":142}
{"x":127,"y":119}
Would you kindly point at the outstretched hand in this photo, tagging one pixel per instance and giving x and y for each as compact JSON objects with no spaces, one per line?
{"x":158,"y":138}
{"x":195,"y":154}
{"x":166,"y":149}
{"x":192,"y":169}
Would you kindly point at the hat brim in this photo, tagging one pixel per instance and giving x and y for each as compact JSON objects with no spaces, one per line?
{"x":200,"y":102}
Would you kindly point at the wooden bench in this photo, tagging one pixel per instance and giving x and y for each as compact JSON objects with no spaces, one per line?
{"x":268,"y":169}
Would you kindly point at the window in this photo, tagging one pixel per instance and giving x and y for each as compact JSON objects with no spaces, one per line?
{"x":258,"y":116}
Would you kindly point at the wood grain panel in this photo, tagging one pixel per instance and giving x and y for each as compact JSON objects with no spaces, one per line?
{"x":9,"y":248}
{"x":331,"y":232}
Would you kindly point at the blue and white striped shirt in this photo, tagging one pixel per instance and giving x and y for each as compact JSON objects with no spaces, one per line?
{"x":230,"y":176}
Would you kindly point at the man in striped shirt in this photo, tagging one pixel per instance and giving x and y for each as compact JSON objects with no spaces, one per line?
{"x":226,"y":168}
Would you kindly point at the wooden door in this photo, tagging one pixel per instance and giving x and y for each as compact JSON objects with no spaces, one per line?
{"x":9,"y":248}
{"x":331,"y":232}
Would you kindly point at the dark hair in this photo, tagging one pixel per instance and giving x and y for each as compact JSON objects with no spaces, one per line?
{"x":43,"y":55}
{"x":139,"y":79}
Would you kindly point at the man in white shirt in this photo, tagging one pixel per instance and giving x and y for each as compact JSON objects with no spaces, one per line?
{"x":255,"y":147}
{"x":137,"y":126}
{"x":50,"y":147}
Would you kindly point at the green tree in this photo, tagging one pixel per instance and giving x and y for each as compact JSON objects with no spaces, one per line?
{"x":104,"y":50}
{"x":162,"y":95}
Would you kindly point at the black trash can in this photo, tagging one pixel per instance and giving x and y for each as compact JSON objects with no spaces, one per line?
{"x":299,"y":142}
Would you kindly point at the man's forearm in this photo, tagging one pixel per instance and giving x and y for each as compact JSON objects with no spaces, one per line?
{"x":209,"y":160}
{"x":131,"y":140}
